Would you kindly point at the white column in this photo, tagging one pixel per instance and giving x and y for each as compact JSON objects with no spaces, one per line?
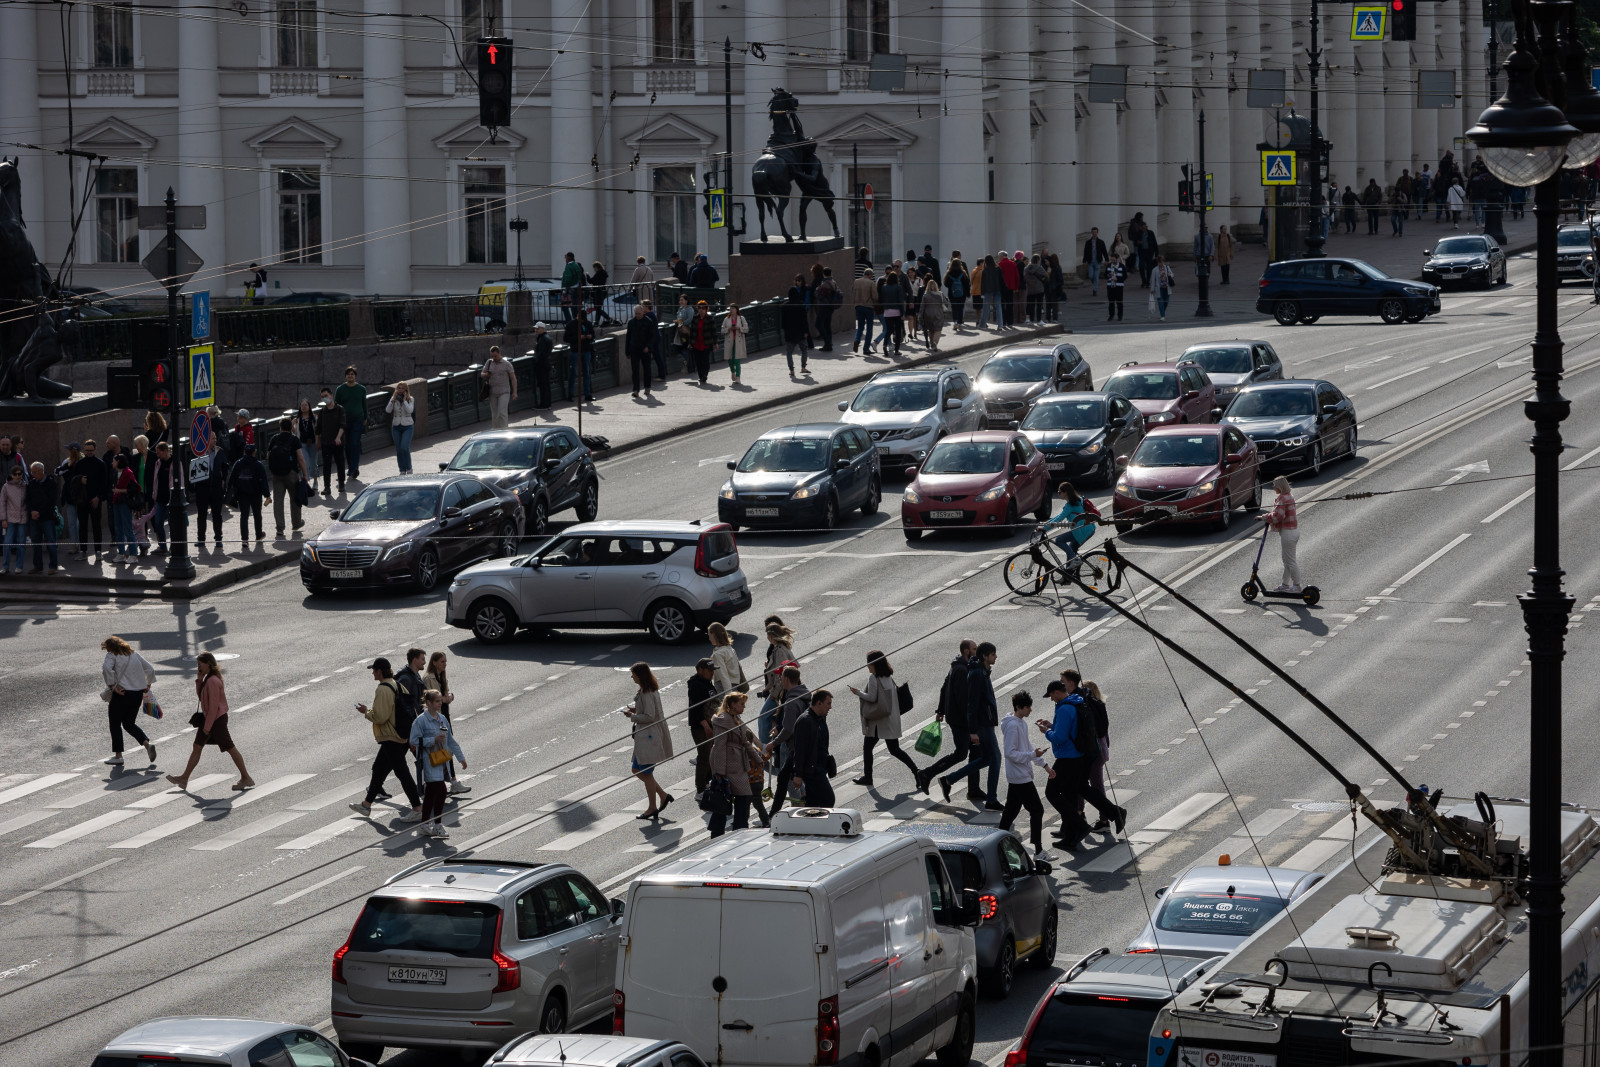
{"x":1425,"y":124}
{"x":1012,"y":148}
{"x":1174,"y":27}
{"x":1100,"y":170}
{"x":962,"y":177}
{"x":385,"y":194}
{"x":1476,"y":95}
{"x":1370,"y":113}
{"x":1210,"y":70}
{"x":200,"y":138}
{"x":764,"y":22}
{"x":572,"y":203}
{"x":1244,"y":47}
{"x":1339,"y":110}
{"x":19,"y":113}
{"x":1058,"y":186}
{"x":1398,"y":147}
{"x":1140,"y":123}
{"x":1460,"y":118}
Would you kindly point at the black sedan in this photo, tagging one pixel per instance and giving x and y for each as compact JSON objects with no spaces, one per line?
{"x":1304,"y":290}
{"x":1084,"y":436}
{"x":1296,"y":423}
{"x":548,"y":468}
{"x":1015,"y":898}
{"x":1475,"y":259}
{"x":803,"y":476}
{"x":410,"y":531}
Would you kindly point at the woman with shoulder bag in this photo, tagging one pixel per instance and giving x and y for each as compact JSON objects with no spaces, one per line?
{"x":127,"y":676}
{"x":652,"y":744}
{"x":434,"y":678}
{"x":434,"y":742}
{"x":733,"y":753}
{"x":780,"y":650}
{"x":880,"y":716}
{"x":729,"y":673}
{"x":212,"y":728}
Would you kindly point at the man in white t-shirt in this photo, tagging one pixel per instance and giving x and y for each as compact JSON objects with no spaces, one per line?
{"x":502,"y":379}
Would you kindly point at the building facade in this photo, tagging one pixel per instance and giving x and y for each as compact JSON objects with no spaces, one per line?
{"x":340,"y":148}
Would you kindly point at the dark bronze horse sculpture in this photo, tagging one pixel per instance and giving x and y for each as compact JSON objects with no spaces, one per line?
{"x":790,"y":157}
{"x":32,"y":338}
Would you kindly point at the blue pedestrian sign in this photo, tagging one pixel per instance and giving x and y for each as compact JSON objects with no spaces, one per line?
{"x":1367,"y":23}
{"x":1277,"y":167}
{"x":202,"y":376}
{"x":200,"y":321}
{"x":718,"y":207}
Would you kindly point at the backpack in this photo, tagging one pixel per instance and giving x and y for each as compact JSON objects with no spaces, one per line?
{"x":405,"y":708}
{"x":1097,"y":712}
{"x":1091,"y":509}
{"x":1084,"y":736}
{"x":958,"y":286}
{"x":903,"y":697}
{"x":280,"y":458}
{"x":134,"y":497}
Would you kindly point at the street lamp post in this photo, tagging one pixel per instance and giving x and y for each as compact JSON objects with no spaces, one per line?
{"x":1548,"y":119}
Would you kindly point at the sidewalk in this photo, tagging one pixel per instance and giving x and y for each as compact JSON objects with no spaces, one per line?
{"x":680,"y":405}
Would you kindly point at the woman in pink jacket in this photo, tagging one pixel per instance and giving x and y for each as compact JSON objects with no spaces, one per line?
{"x":14,"y":517}
{"x":214,"y":730}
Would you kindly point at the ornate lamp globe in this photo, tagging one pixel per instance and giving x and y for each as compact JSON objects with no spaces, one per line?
{"x":1583,"y":100}
{"x":1523,"y":137}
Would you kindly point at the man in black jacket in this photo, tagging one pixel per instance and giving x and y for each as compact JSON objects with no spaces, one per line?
{"x":1094,"y":257}
{"x":39,"y":498}
{"x":92,"y":487}
{"x":408,"y":702}
{"x":702,"y":705}
{"x":794,"y":700}
{"x":330,"y":441}
{"x":679,"y":268}
{"x":639,"y":348}
{"x":953,"y":713}
{"x":811,"y":759}
{"x":1096,"y":709}
{"x":206,"y":478}
{"x":543,"y":346}
{"x":983,"y":719}
{"x":703,"y":275}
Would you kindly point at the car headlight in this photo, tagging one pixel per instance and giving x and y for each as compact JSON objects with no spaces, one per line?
{"x":1293,"y":442}
{"x":912,"y":496}
{"x":1091,"y":449}
{"x":1160,"y":417}
{"x":1122,"y":487}
{"x":728,"y":493}
{"x":398,"y":550}
{"x":307,"y":555}
{"x":993,"y":494}
{"x":1202,"y":489}
{"x":807,"y":492}
{"x":1417,"y":292}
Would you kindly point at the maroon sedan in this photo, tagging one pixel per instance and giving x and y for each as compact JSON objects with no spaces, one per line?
{"x":988,"y":478}
{"x":1188,"y":474}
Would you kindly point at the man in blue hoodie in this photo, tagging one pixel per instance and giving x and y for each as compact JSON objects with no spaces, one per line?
{"x":1072,"y":767}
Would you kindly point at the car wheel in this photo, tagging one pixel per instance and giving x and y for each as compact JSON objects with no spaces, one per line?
{"x":1416,"y":317}
{"x":1009,"y":527}
{"x":1286,"y":312}
{"x":997,"y":983}
{"x":958,"y":1053}
{"x":589,"y":503}
{"x":427,"y":570}
{"x":1392,"y":311}
{"x":1108,"y":470}
{"x":830,"y":513}
{"x":913,"y":535}
{"x":1307,"y":320}
{"x":509,"y":541}
{"x":553,"y":1019}
{"x":493,"y":621}
{"x":1255,"y":494}
{"x":1045,"y":955}
{"x":539,"y":518}
{"x":1123,"y":527}
{"x":1225,"y":513}
{"x":362,"y":1051}
{"x":1316,"y":458}
{"x":495,"y":326}
{"x":1350,"y":445}
{"x":1042,"y":512}
{"x":669,"y":622}
{"x":874,"y":498}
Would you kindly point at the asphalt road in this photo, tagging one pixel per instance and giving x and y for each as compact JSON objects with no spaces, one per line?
{"x":121,"y":901}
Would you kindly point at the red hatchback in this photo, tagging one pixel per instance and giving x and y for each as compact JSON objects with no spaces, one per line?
{"x":1188,"y":474}
{"x":988,"y":478}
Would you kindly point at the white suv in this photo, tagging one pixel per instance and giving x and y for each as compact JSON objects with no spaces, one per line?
{"x":669,"y":577}
{"x":461,"y":953}
{"x":905,"y":412}
{"x":593,"y":1050}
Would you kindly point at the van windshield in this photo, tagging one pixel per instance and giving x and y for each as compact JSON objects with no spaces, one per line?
{"x":1082,"y":1026}
{"x":454,"y":928}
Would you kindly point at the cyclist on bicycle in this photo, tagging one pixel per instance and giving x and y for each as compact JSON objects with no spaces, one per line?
{"x":1075,"y":520}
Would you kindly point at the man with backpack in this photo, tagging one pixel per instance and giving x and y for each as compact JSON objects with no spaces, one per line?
{"x":1072,"y":741}
{"x":408,"y":702}
{"x":286,"y":463}
{"x":391,"y":728}
{"x":247,"y":488}
{"x":1095,"y":708}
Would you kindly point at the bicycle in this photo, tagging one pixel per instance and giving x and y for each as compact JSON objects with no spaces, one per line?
{"x":1027,"y":572}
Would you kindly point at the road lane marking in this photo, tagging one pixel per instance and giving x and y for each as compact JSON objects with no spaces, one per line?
{"x":322,"y":800}
{"x":115,"y":785}
{"x":212,"y":811}
{"x":321,"y":834}
{"x":325,"y":882}
{"x":1425,"y":564}
{"x":35,"y":786}
{"x":1186,"y":812}
{"x":27,"y":819}
{"x":59,"y":882}
{"x":247,"y":831}
{"x":205,"y":781}
{"x":1397,"y":377}
{"x":83,"y":829}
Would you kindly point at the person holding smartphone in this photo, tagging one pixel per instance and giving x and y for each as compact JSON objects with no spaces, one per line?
{"x":401,"y":424}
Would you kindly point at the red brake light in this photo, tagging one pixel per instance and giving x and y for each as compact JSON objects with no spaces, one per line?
{"x":617,"y":1002}
{"x":1119,"y":1000}
{"x":723,"y":885}
{"x":702,"y":565}
{"x":827,"y":1032}
{"x":1139,"y":951}
{"x":510,"y":969}
{"x":1262,"y":283}
{"x":339,"y":953}
{"x":1018,"y":1057}
{"x":989,"y":905}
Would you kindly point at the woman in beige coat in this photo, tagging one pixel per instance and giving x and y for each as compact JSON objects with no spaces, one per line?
{"x":652,"y":744}
{"x":1224,"y":251}
{"x":728,"y":673}
{"x":880,"y":716}
{"x":734,"y":755}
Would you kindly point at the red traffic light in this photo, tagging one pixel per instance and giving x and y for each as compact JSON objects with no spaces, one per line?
{"x":160,"y":373}
{"x":1398,"y":5}
{"x":493,"y":51}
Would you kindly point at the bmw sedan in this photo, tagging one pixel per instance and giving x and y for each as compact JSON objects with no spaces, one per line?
{"x":1188,"y":474}
{"x":906,"y":412}
{"x":1084,"y":436}
{"x":1476,"y":259}
{"x":1232,"y":365}
{"x":1209,"y":911}
{"x":1015,"y":377}
{"x":1296,"y":424}
{"x":1304,"y":290}
{"x":410,"y":531}
{"x":803,"y":476}
{"x":547,"y":467}
{"x":983,"y":479}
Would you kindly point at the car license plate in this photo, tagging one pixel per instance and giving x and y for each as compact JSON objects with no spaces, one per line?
{"x":418,"y":975}
{"x":1167,"y":512}
{"x":1055,"y":466}
{"x":346,"y":574}
{"x":761,"y":513}
{"x":944,"y":514}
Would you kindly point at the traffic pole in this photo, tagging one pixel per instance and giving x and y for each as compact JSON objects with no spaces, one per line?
{"x":179,"y":565}
{"x":1202,"y":241}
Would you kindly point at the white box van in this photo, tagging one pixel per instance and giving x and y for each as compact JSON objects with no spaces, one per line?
{"x":811,"y":943}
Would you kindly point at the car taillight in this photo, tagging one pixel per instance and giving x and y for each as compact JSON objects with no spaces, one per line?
{"x":989,"y":905}
{"x":510,"y":970}
{"x":702,"y":563}
{"x":1018,"y":1057}
{"x":617,"y":1003}
{"x":1262,"y":283}
{"x":339,"y":954}
{"x":827,"y":1032}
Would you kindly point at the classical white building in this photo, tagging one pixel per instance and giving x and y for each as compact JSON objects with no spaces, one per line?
{"x":338,"y":144}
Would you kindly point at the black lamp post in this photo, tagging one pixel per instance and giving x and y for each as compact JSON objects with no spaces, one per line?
{"x":1548,"y":119}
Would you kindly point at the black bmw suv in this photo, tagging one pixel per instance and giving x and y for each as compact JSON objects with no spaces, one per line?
{"x":1304,"y":290}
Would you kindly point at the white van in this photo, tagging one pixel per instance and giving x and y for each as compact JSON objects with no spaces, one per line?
{"x":810,"y":943}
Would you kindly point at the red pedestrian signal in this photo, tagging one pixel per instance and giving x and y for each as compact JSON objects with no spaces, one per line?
{"x":1403,"y":20}
{"x":494,"y":82}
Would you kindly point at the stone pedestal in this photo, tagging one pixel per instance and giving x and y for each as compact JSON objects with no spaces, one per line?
{"x":47,"y":429}
{"x":771,"y":273}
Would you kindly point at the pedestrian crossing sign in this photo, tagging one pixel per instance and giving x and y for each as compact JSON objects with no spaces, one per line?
{"x":1277,"y":167}
{"x":202,"y":377}
{"x":1367,"y":23}
{"x":717,"y":208}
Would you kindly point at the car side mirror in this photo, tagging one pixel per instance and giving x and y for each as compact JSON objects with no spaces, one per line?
{"x":1041,"y":867}
{"x":1012,"y":424}
{"x":911,"y":472}
{"x":732,"y":465}
{"x":451,"y":513}
{"x":1235,"y":457}
{"x":1216,"y":413}
{"x":1117,"y":422}
{"x":969,"y":913}
{"x":844,"y":405}
{"x":333,"y":516}
{"x":1329,"y":409}
{"x":551,"y":463}
{"x":952,"y":404}
{"x":1162,"y":891}
{"x":1427,"y":251}
{"x":842,"y":465}
{"x":617,"y":907}
{"x":1018,"y":471}
{"x":444,"y":466}
{"x":1191,"y":394}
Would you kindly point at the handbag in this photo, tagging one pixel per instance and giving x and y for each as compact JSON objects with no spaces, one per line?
{"x":717,"y":798}
{"x":930,"y":739}
{"x":742,"y":686}
{"x":441,"y":755}
{"x":1151,"y":303}
{"x":302,"y":492}
{"x":152,"y":707}
{"x":198,"y":720}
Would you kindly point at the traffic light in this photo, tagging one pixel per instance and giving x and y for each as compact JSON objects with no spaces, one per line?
{"x":160,"y":384}
{"x":1403,"y":20}
{"x":151,"y":363}
{"x":494,"y":82}
{"x":1185,"y":190}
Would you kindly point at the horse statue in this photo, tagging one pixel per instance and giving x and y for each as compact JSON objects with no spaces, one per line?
{"x":32,"y":338}
{"x":790,"y":157}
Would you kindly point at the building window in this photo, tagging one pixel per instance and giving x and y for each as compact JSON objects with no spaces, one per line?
{"x":297,"y":33}
{"x":866,"y":29}
{"x":478,"y":18}
{"x":116,"y":214}
{"x":875,"y":228}
{"x":673,"y":197}
{"x":299,"y":215}
{"x":485,"y":191}
{"x":113,"y":35}
{"x":674,"y":31}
